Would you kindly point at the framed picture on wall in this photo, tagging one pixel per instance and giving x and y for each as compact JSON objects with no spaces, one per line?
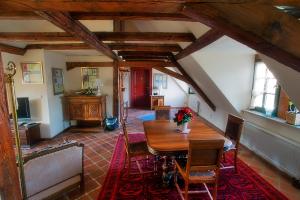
{"x":32,"y":73}
{"x":58,"y":81}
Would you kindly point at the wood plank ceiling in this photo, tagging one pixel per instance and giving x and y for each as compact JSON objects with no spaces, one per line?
{"x":268,"y":26}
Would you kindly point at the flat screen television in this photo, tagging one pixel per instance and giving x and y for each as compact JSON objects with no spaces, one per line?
{"x":23,"y":108}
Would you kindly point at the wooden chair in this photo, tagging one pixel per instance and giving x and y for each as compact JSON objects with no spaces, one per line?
{"x":202,"y":166}
{"x":233,"y":132}
{"x":162,"y":112}
{"x":134,"y":150}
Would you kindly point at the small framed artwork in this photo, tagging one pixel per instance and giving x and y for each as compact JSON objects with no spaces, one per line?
{"x":191,"y":91}
{"x":32,"y":73}
{"x":58,"y":81}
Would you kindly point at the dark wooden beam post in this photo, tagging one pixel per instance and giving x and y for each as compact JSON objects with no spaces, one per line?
{"x":12,"y":50}
{"x":193,"y":83}
{"x":116,"y":89}
{"x":119,"y":26}
{"x":72,"y":65}
{"x":9,"y":180}
{"x":204,"y":40}
{"x":75,"y":28}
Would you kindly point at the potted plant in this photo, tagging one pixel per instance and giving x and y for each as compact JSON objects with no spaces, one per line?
{"x":182,"y":117}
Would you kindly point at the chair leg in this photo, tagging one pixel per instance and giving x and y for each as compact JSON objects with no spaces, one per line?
{"x":215,"y":190}
{"x":129,"y":165}
{"x":186,"y":190}
{"x":125,"y":162}
{"x":235,"y":161}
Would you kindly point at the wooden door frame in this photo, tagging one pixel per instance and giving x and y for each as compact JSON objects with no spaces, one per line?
{"x":131,"y":85}
{"x":9,"y":179}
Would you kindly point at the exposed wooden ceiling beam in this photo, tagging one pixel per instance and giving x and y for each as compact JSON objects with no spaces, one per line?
{"x":262,"y":28}
{"x":130,"y":16}
{"x":92,"y":5}
{"x":143,"y":53}
{"x":66,"y":46}
{"x":141,"y":63}
{"x":11,"y":49}
{"x":103,"y":36}
{"x":146,"y":36}
{"x":21,"y":15}
{"x":146,"y":47}
{"x":172,"y":73}
{"x":193,"y":83}
{"x":204,"y":40}
{"x":113,"y":46}
{"x":117,"y":6}
{"x":72,"y":65}
{"x":75,"y":28}
{"x":127,"y":58}
{"x":145,"y":63}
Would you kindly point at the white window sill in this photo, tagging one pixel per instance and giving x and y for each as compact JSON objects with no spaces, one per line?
{"x":274,"y":126}
{"x":275,"y":119}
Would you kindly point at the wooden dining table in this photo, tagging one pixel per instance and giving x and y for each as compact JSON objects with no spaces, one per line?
{"x":164,"y":138}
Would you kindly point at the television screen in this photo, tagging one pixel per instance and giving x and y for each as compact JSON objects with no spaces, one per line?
{"x":23,"y":108}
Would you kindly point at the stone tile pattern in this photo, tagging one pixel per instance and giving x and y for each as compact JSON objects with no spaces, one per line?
{"x":99,"y":148}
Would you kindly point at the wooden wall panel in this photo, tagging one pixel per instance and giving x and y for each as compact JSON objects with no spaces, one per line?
{"x":283,"y":104}
{"x":9,"y":181}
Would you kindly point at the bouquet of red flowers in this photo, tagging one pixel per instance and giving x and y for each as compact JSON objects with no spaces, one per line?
{"x":183,"y":116}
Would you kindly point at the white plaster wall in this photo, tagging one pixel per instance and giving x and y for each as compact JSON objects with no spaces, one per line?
{"x":57,"y":123}
{"x":223,"y":106}
{"x":73,"y":78}
{"x":37,"y":93}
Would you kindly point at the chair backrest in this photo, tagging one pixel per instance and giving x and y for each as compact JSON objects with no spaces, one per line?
{"x":234,"y":128}
{"x":162,"y":112}
{"x":204,"y":155}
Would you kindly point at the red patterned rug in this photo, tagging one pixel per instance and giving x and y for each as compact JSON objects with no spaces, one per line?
{"x":245,"y":185}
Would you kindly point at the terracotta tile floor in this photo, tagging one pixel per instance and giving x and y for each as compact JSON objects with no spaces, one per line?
{"x":99,"y":148}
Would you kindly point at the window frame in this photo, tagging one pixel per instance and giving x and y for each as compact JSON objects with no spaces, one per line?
{"x":262,"y":109}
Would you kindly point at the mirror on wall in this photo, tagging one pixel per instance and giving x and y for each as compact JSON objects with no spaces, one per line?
{"x":89,"y":76}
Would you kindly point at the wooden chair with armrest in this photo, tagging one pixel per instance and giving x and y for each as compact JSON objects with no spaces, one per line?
{"x":163,"y":112}
{"x":202,"y":166}
{"x":135,"y":150}
{"x":233,"y":132}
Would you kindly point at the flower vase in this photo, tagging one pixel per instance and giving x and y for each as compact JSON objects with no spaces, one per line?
{"x":185,"y":128}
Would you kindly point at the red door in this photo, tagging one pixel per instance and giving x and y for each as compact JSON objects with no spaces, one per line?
{"x":140,"y":87}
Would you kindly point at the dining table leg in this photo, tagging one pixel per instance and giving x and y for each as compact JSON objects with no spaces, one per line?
{"x":164,"y":174}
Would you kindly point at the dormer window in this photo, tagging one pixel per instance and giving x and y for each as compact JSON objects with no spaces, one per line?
{"x":265,"y":90}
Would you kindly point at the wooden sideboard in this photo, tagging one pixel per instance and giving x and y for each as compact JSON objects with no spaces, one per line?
{"x":157,"y":100}
{"x":85,"y":108}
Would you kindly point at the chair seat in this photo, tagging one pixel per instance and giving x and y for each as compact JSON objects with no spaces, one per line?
{"x":204,"y":176}
{"x":138,"y":148}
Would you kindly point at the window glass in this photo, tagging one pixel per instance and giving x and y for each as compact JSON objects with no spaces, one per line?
{"x":265,"y":92}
